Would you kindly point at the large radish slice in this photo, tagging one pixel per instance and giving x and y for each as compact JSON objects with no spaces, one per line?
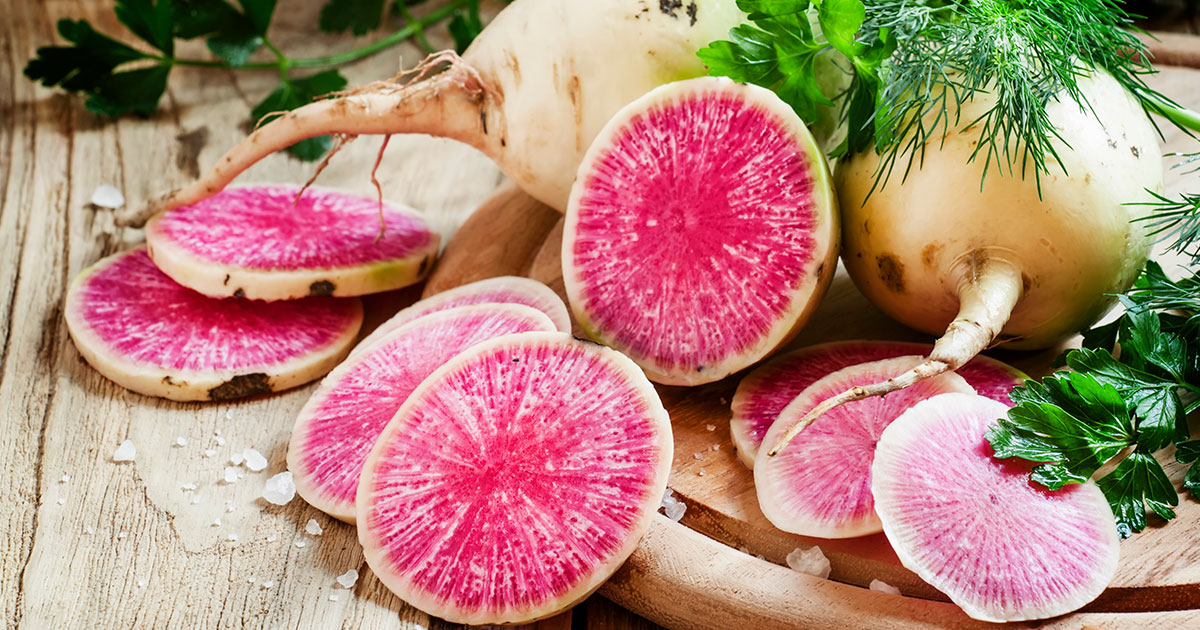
{"x":262,"y":242}
{"x":763,"y":394}
{"x":975,"y":528}
{"x":701,"y":231}
{"x":515,"y":480}
{"x":143,"y":331}
{"x":499,"y":290}
{"x":821,"y":485}
{"x":339,"y":424}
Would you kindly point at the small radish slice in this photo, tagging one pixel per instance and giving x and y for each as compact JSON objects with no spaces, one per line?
{"x":259,"y":242}
{"x":339,"y":424}
{"x":821,"y":485}
{"x":500,"y":290}
{"x":975,"y":528}
{"x":515,"y":480}
{"x":701,"y":230}
{"x":770,"y":387}
{"x":143,"y":331}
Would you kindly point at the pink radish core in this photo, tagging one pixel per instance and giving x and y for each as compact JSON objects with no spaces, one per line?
{"x":143,"y":315}
{"x":514,"y":477}
{"x":263,"y":228}
{"x":707,"y":190}
{"x":340,"y":424}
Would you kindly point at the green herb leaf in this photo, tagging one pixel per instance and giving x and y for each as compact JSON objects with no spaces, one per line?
{"x":259,"y":12}
{"x":465,"y":26}
{"x":152,"y":21}
{"x":1138,"y":482}
{"x":136,"y":91}
{"x":294,"y":93}
{"x":1189,"y":453}
{"x":358,"y":16}
{"x":197,"y":18}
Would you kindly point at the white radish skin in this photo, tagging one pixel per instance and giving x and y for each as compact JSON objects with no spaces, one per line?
{"x":1001,"y":265}
{"x":531,"y":92}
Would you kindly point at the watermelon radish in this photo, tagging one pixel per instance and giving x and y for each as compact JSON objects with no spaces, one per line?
{"x":143,"y":331}
{"x":821,"y":486}
{"x":339,"y":424}
{"x":770,"y":387}
{"x":701,"y":231}
{"x":515,"y":479}
{"x":261,"y":242}
{"x":975,"y":528}
{"x":500,"y":290}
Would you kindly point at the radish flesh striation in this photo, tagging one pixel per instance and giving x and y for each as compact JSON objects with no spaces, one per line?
{"x":1005,"y":263}
{"x":515,"y":479}
{"x":530,"y":92}
{"x":701,"y":231}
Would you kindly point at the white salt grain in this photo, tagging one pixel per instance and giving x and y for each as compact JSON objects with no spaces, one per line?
{"x":189,"y":486}
{"x":313,"y":527}
{"x":254,"y":460}
{"x":229,"y":506}
{"x":216,"y":522}
{"x":228,"y":416}
{"x":811,"y":561}
{"x":268,"y":584}
{"x":61,"y":500}
{"x":347,"y":579}
{"x":673,"y":508}
{"x":195,"y":499}
{"x":710,"y":427}
{"x":701,"y":473}
{"x":230,"y":475}
{"x":126,"y":452}
{"x":884,"y":587}
{"x":232,"y":537}
{"x":122,"y":535}
{"x":300,"y":544}
{"x":236,"y":459}
{"x":141,"y":583}
{"x":108,"y":196}
{"x":219,"y":440}
{"x":272,"y":538}
{"x":181,"y":441}
{"x":279,"y":489}
{"x":333,"y":598}
{"x":716,"y":447}
{"x":65,"y":478}
{"x":697,"y":456}
{"x":251,"y":579}
{"x":89,"y":530}
{"x":208,"y":452}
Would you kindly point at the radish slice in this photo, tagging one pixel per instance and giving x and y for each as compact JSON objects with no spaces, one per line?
{"x":821,"y":485}
{"x":515,"y":479}
{"x":143,"y":331}
{"x":259,"y":242}
{"x":339,"y":424}
{"x":975,"y":528}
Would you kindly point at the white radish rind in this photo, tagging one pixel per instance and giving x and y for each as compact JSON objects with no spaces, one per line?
{"x":339,"y":424}
{"x":146,"y":333}
{"x":821,"y":485}
{"x":976,"y":528}
{"x":499,"y":290}
{"x":269,"y":242}
{"x":701,"y":231}
{"x":515,"y":479}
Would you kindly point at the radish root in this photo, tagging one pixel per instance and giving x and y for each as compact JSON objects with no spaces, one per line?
{"x":990,"y":290}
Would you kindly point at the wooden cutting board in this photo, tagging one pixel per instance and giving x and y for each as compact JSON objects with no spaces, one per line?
{"x":681,"y":576}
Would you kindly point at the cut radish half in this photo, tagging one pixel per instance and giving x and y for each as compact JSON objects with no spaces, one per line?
{"x":143,"y":331}
{"x":976,"y":528}
{"x":515,"y":480}
{"x":501,"y":290}
{"x":259,"y":242}
{"x":770,"y":387}
{"x":339,"y":424}
{"x":701,"y":231}
{"x":821,"y":485}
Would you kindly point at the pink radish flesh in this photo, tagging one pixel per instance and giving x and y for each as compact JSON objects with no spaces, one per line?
{"x":769,"y":388}
{"x":254,"y":239}
{"x":698,"y":231}
{"x":975,"y":528}
{"x":821,"y":486}
{"x":340,"y":423}
{"x":515,"y":480}
{"x":140,"y":328}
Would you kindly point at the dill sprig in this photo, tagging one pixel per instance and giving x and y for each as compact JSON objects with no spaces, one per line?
{"x":1176,"y":220}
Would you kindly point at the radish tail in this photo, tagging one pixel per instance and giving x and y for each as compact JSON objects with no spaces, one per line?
{"x":987,"y":296}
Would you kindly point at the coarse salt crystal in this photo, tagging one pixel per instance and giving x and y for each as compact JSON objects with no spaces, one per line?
{"x":710,"y":427}
{"x":254,"y":460}
{"x":65,"y":478}
{"x":122,"y":535}
{"x":229,"y":506}
{"x":300,"y":544}
{"x":232,"y":537}
{"x":195,"y":499}
{"x":697,"y":456}
{"x":716,"y":447}
{"x":279,"y":489}
{"x":811,"y":561}
{"x":108,"y":196}
{"x":251,"y":579}
{"x":217,"y":432}
{"x":89,"y":530}
{"x":230,"y":475}
{"x":181,"y":441}
{"x":216,"y":522}
{"x":126,"y":452}
{"x":313,"y":527}
{"x":272,"y":538}
{"x":228,"y":416}
{"x":208,"y":452}
{"x":141,"y":583}
{"x":61,"y":500}
{"x":347,"y":579}
{"x":219,"y":440}
{"x":673,"y":508}
{"x":236,"y":459}
{"x":268,"y":584}
{"x":884,"y":587}
{"x":333,"y":598}
{"x":191,"y":485}
{"x":701,"y":473}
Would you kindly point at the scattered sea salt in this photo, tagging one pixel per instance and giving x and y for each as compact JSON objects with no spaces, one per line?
{"x":189,"y":486}
{"x":61,"y":500}
{"x":272,"y":538}
{"x":230,"y":506}
{"x":181,"y":441}
{"x":333,"y":598}
{"x":251,"y":579}
{"x":65,"y":478}
{"x":108,"y":196}
{"x":228,"y":416}
{"x":254,"y":460}
{"x":217,"y":432}
{"x":811,"y":561}
{"x":279,"y":489}
{"x":701,"y":473}
{"x":884,"y":587}
{"x":219,"y":440}
{"x":195,"y":499}
{"x":347,"y":579}
{"x":122,"y":535}
{"x":300,"y":544}
{"x":141,"y":583}
{"x":126,"y":452}
{"x":89,"y":530}
{"x":230,"y":475}
{"x":236,"y":459}
{"x":216,"y":522}
{"x":232,"y":537}
{"x":724,"y":401}
{"x":710,"y":427}
{"x":313,"y":527}
{"x":716,"y":447}
{"x":673,"y":508}
{"x":208,"y":452}
{"x":268,"y":584}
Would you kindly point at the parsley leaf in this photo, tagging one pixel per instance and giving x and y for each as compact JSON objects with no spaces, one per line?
{"x":1189,"y":453}
{"x":1138,"y":482}
{"x":465,"y":26}
{"x":358,"y":16}
{"x":293,"y":93}
{"x":152,"y":21}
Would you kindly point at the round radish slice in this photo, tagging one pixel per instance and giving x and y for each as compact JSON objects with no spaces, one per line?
{"x":500,"y":290}
{"x":339,"y":424}
{"x":701,"y":231}
{"x":515,"y":479}
{"x":976,"y":528}
{"x":143,"y":331}
{"x":259,"y":242}
{"x":763,"y":394}
{"x":821,"y":484}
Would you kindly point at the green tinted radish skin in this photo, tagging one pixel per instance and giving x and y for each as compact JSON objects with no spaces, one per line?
{"x":530,"y":92}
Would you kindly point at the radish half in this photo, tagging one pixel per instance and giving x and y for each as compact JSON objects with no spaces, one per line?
{"x":976,"y":529}
{"x":701,"y":231}
{"x":143,"y":331}
{"x":763,"y":394}
{"x":515,"y":479}
{"x":821,"y":486}
{"x":266,"y":243}
{"x":339,"y":424}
